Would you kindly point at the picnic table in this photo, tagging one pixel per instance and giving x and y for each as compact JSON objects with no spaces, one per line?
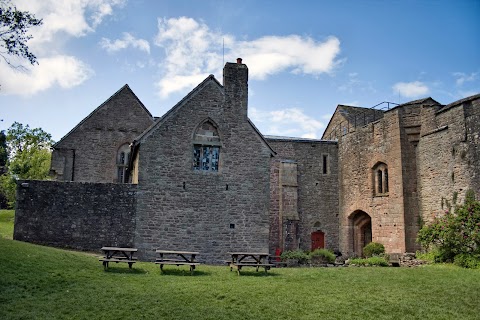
{"x":114,"y":254}
{"x":178,"y":258}
{"x":249,"y":259}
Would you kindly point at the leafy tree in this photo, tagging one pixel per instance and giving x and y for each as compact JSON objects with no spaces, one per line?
{"x":455,"y":235}
{"x":29,"y":157}
{"x":14,"y":25}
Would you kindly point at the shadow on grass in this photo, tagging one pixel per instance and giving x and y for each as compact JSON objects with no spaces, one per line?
{"x":183,"y":272}
{"x":125,"y":270}
{"x":253,"y":273}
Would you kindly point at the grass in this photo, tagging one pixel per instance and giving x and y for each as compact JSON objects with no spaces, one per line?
{"x":6,"y":223}
{"x":39,"y":282}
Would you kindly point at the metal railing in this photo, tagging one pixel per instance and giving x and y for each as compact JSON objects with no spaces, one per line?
{"x":361,"y":119}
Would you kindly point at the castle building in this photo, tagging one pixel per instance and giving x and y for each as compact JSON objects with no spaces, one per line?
{"x":203,"y":178}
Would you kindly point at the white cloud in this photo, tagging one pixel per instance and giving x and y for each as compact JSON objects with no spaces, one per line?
{"x":127,"y":41}
{"x":461,"y":77}
{"x":411,"y":89}
{"x":193,"y":50}
{"x":287,"y":122}
{"x":74,"y":17}
{"x":65,"y":71}
{"x":61,"y":20}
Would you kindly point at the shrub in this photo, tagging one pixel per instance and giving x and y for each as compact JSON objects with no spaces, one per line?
{"x":372,"y":261}
{"x":299,"y":255}
{"x":454,"y":234}
{"x":327,"y":255}
{"x":467,"y":261}
{"x":373,"y":249}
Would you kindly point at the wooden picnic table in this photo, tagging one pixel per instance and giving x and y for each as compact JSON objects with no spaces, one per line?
{"x":249,"y":259}
{"x":178,"y":258}
{"x":114,"y":254}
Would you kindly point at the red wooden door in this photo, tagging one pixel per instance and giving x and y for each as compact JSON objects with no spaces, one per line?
{"x":318,"y":240}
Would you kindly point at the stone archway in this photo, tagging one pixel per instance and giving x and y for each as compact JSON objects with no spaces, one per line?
{"x":360,"y":231}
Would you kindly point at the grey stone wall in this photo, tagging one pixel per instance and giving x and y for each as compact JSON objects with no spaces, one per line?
{"x":448,"y":156}
{"x":316,"y":192}
{"x":85,"y":216}
{"x":179,"y":208}
{"x":88,"y":153}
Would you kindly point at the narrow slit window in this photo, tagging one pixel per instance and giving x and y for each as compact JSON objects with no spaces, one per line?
{"x":379,"y":177}
{"x":385,"y":180}
{"x":325,"y":164}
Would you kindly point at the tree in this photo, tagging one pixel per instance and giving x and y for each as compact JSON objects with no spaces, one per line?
{"x":14,"y":25}
{"x":28,"y":157}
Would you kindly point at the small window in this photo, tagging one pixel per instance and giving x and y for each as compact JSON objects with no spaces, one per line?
{"x":205,"y":158}
{"x":123,"y":156}
{"x":325,"y":164}
{"x":206,"y":147}
{"x":380,"y":179}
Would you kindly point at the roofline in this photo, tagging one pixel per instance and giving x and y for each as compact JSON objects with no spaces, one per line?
{"x":126,"y":86}
{"x":177,"y":106}
{"x":458,"y":102}
{"x":331,"y":118}
{"x":296,"y":139}
{"x":261,"y":136}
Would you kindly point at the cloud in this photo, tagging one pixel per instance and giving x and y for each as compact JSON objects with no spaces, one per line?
{"x":411,"y":89}
{"x":287,"y":122}
{"x":127,"y":41}
{"x":61,"y":21}
{"x":65,"y":71}
{"x":461,"y":77}
{"x":192,"y":50}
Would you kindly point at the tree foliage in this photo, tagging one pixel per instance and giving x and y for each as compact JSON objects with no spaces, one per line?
{"x":454,"y":235}
{"x":14,"y":26}
{"x":28,"y":157}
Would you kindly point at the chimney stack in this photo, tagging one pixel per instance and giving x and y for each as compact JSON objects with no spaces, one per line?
{"x":235,"y":85}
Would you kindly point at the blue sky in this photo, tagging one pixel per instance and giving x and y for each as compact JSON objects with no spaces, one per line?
{"x":304,"y":57}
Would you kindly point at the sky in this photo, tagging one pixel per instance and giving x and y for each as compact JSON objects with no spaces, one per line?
{"x":304,"y":57}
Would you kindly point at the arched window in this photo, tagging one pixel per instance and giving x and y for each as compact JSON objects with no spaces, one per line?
{"x":123,"y":156}
{"x":380,"y":179}
{"x":206,"y":147}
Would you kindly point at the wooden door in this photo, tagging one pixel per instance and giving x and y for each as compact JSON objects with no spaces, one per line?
{"x":318,"y":240}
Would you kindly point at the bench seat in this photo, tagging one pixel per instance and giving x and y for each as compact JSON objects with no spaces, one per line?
{"x":106,"y":261}
{"x":177,"y":263}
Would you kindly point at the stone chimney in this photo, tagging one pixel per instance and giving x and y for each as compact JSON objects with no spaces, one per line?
{"x":235,"y":83}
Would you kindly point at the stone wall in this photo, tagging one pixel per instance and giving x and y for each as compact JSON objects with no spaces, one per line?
{"x":308,"y":201}
{"x":89,"y":152}
{"x":448,"y":156}
{"x":179,"y":208}
{"x":378,"y":143}
{"x":85,"y":216}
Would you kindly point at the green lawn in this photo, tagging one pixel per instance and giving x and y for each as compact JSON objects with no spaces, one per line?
{"x":39,"y":282}
{"x":6,"y":223}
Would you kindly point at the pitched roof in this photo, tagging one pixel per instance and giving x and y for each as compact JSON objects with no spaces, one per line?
{"x":125,"y":87}
{"x":181,"y":103}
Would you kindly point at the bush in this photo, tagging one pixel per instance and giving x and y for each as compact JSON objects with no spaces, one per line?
{"x":323,"y":254}
{"x":372,"y":261}
{"x":454,"y":234}
{"x":373,"y":249}
{"x":467,"y":261}
{"x":299,"y":255}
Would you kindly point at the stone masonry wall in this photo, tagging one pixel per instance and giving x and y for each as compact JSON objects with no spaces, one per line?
{"x":448,"y":157}
{"x":91,"y":148}
{"x":317,"y":192}
{"x":179,"y":208}
{"x":85,"y":216}
{"x":358,"y":153}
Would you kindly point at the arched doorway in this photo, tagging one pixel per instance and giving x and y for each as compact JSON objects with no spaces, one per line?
{"x":360,"y":231}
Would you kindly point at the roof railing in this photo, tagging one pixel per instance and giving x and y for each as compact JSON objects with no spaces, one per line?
{"x":367,"y":116}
